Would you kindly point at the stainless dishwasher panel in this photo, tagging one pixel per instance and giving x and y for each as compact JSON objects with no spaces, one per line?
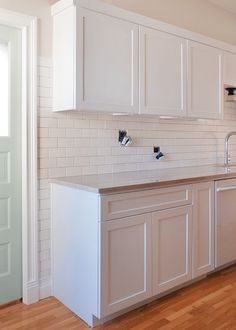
{"x":225,"y":222}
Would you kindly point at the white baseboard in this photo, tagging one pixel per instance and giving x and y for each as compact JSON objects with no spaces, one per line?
{"x":45,"y":289}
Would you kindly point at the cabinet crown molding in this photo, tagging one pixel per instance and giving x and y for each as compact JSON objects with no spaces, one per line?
{"x":133,"y":17}
{"x":61,"y":5}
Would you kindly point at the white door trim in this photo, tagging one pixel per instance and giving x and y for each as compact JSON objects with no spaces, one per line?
{"x":28,"y":26}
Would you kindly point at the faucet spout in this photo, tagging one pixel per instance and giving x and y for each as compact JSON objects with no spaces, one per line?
{"x":227,"y":157}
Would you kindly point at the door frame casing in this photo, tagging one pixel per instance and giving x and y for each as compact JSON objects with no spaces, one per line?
{"x":30,"y":273}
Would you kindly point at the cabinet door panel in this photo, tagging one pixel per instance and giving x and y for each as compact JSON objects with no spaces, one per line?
{"x":171,"y":231}
{"x":204,"y":81}
{"x":126,"y":255}
{"x":203,"y":229}
{"x":108,"y":63}
{"x":163,"y":59}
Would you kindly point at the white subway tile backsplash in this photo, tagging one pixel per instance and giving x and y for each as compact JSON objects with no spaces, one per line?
{"x":47,"y":142}
{"x":45,"y":264}
{"x":73,"y":132}
{"x":45,"y":102}
{"x":65,"y":123}
{"x":75,"y":143}
{"x":56,"y":152}
{"x":43,"y":132}
{"x":45,"y":82}
{"x":56,"y":172}
{"x":44,"y":92}
{"x":65,"y":162}
{"x":43,"y":215}
{"x":44,"y":225}
{"x":57,"y":132}
{"x":45,"y":71}
{"x":44,"y":235}
{"x":81,"y":161}
{"x":44,"y":245}
{"x":47,"y":163}
{"x":47,"y":122}
{"x":73,"y":171}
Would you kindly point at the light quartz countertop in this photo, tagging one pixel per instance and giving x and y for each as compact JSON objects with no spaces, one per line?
{"x":140,"y":180}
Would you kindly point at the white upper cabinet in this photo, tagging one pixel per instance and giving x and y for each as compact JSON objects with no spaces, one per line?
{"x":230,"y":69}
{"x":111,"y":60}
{"x":107,"y":63}
{"x":205,"y":87}
{"x":96,"y":69}
{"x":163,"y":61}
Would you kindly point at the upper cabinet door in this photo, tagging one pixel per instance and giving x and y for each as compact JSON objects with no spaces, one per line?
{"x":107,"y":63}
{"x":163,"y":59}
{"x":205,"y":88}
{"x":230,"y":69}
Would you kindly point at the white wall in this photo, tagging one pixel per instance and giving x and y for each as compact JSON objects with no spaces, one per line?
{"x":196,"y":15}
{"x":40,"y":9}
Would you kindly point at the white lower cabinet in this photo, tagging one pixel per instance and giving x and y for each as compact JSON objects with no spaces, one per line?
{"x":203,"y":228}
{"x":119,"y":250}
{"x":171,"y":246}
{"x":126,"y":262}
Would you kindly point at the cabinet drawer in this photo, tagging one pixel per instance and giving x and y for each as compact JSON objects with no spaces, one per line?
{"x":127,"y":204}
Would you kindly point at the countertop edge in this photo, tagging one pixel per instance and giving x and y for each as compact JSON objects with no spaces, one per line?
{"x":144,"y":186}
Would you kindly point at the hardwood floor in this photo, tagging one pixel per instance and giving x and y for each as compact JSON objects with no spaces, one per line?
{"x":209,"y":304}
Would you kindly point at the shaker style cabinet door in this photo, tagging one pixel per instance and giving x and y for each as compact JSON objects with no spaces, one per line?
{"x":125,"y":263}
{"x":203,"y":228}
{"x":163,"y":62}
{"x":107,"y":63}
{"x":205,"y":88}
{"x":171,"y":248}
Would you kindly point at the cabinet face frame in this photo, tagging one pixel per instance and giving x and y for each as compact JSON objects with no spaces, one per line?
{"x":206,"y":244}
{"x":178,"y":279}
{"x":109,"y":304}
{"x":167,"y":41}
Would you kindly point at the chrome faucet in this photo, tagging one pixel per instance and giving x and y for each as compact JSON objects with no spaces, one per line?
{"x":227,"y":156}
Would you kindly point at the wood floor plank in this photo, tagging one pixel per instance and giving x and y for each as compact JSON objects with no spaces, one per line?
{"x":207,"y":305}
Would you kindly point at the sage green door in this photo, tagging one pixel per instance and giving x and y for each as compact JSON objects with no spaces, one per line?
{"x":10,"y":165}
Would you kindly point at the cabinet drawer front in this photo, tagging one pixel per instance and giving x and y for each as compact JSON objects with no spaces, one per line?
{"x":127,"y":204}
